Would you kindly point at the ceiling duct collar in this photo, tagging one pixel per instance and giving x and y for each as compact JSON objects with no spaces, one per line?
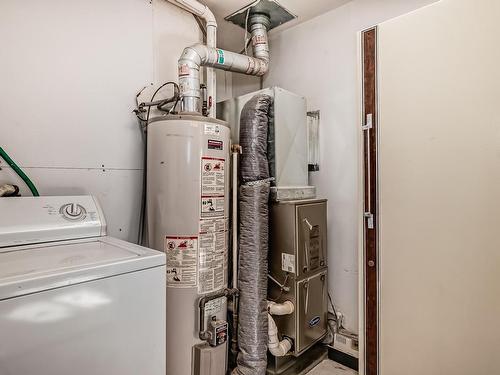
{"x":278,"y":14}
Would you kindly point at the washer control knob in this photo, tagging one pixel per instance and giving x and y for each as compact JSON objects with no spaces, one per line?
{"x":73,"y":211}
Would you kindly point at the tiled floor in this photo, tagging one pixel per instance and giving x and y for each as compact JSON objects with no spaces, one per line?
{"x":328,"y":367}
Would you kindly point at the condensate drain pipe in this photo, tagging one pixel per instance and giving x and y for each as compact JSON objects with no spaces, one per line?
{"x":276,"y":347}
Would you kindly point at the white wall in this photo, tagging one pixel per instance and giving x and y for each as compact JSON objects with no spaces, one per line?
{"x":318,"y":59}
{"x":174,"y":29}
{"x":70,"y":71}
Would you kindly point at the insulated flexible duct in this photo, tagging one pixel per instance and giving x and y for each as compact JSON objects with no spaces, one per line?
{"x":254,"y":129}
{"x":254,"y":237}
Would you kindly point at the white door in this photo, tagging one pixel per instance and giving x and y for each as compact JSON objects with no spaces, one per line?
{"x":439,"y":190}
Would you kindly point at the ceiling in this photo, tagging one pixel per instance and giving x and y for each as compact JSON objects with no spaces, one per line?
{"x":231,"y":36}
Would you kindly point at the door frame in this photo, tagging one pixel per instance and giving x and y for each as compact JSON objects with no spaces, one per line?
{"x":369,"y":245}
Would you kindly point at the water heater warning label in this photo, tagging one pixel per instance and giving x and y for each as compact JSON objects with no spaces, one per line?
{"x":212,"y":206}
{"x":213,"y":182}
{"x":212,"y":176}
{"x":212,"y":262}
{"x":213,"y":228}
{"x":214,"y":225}
{"x":182,"y":261}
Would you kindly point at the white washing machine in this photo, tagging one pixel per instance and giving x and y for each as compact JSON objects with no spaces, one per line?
{"x":72,"y":300}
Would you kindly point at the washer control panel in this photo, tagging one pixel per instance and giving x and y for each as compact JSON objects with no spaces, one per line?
{"x":28,"y":220}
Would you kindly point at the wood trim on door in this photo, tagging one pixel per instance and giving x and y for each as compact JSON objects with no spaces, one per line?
{"x":370,"y":169}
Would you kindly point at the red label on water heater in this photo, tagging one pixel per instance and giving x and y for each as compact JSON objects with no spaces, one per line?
{"x":215,"y":145}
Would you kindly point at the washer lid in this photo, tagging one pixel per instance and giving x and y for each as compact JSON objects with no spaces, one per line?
{"x":32,"y":269}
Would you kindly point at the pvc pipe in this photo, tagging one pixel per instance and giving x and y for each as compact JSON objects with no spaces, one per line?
{"x":236,"y":151}
{"x":197,"y":8}
{"x":276,"y":347}
{"x":285,"y":308}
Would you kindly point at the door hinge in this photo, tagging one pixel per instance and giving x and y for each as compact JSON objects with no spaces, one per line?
{"x":369,"y":218}
{"x":369,"y":122}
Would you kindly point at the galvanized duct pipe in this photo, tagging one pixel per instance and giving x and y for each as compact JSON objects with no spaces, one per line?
{"x":254,"y":237}
{"x":200,"y":55}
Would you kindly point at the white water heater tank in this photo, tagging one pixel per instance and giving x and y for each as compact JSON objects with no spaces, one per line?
{"x":188,"y":212}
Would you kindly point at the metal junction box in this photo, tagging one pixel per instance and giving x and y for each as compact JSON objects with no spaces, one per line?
{"x":298,"y":269}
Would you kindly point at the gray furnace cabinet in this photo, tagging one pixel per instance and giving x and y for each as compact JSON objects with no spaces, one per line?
{"x":298,"y":269}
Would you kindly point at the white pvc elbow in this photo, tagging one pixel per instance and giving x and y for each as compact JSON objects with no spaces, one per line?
{"x":276,"y":347}
{"x":285,"y":308}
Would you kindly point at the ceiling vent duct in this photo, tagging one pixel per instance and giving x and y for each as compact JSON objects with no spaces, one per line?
{"x":278,"y":15}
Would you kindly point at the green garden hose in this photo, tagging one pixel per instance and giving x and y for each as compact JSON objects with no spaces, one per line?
{"x":19,"y":172}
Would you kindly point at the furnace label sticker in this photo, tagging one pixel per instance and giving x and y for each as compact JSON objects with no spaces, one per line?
{"x":182,"y":261}
{"x":288,"y":262}
{"x":212,"y":261}
{"x":212,"y":176}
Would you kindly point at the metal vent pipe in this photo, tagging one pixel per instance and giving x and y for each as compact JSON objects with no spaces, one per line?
{"x":205,"y":14}
{"x":200,"y":55}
